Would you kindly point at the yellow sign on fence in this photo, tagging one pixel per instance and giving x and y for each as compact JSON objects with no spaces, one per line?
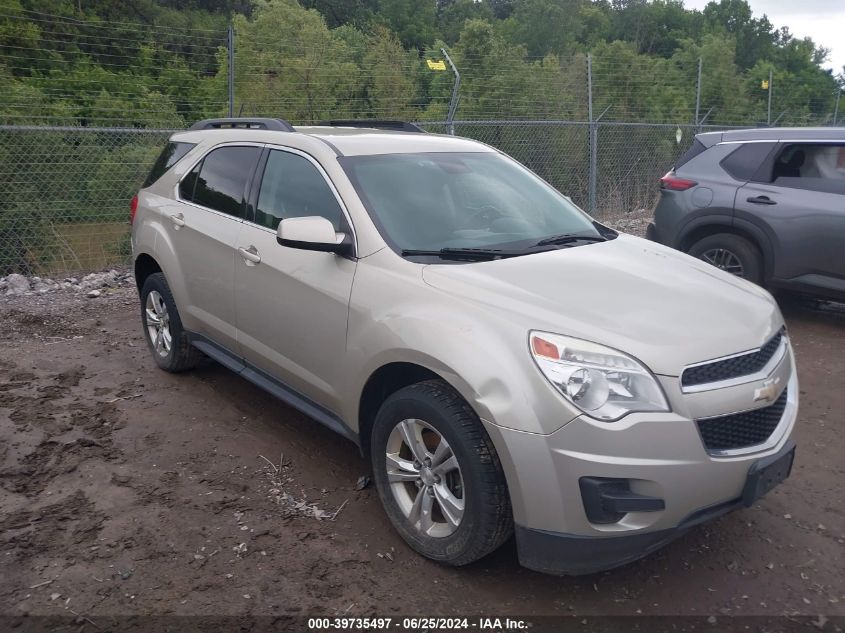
{"x":436,"y":65}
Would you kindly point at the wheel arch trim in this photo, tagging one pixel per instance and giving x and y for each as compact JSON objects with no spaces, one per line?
{"x":700,"y":228}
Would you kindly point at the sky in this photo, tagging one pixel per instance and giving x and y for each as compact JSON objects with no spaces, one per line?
{"x":821,"y":20}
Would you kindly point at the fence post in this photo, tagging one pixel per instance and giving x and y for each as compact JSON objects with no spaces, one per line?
{"x":698,"y":93}
{"x":453,"y":102}
{"x":836,"y":107}
{"x":230,"y":44}
{"x":593,"y":140}
{"x":769,"y":116}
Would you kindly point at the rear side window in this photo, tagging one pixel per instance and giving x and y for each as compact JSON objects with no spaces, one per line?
{"x":219,"y":181}
{"x":293,"y":188}
{"x":692,"y":152}
{"x":746,"y":159}
{"x":170,"y":155}
{"x":814,"y":167}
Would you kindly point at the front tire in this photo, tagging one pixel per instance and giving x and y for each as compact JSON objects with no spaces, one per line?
{"x":438,"y":475}
{"x":163,"y":329}
{"x":732,"y":253}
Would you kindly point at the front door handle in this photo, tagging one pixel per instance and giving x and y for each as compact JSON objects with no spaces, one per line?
{"x":178,"y":221}
{"x":761,"y":200}
{"x":250,"y":255}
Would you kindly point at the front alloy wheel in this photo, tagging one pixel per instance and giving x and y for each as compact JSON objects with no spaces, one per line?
{"x":425,"y":478}
{"x":438,"y":474}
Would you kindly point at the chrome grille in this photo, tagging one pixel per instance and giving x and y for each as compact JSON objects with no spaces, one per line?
{"x":734,"y":367}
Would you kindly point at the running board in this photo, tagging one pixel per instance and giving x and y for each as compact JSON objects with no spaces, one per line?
{"x":272,"y":386}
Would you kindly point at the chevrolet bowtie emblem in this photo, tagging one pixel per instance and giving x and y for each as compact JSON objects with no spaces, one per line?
{"x":769,"y":390}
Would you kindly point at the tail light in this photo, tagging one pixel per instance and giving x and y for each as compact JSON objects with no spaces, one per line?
{"x":671,"y":182}
{"x":133,"y":208}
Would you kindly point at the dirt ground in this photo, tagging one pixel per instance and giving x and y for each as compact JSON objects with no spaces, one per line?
{"x":126,"y":490}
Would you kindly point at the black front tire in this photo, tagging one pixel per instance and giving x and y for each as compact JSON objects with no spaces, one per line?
{"x":743,"y":251}
{"x":487,"y":519}
{"x":181,"y":355}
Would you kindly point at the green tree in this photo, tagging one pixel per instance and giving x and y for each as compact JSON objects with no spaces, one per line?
{"x":413,"y":21}
{"x":390,"y":77}
{"x":544,"y":26}
{"x":754,"y":36}
{"x":451,"y":17}
{"x":290,"y":64}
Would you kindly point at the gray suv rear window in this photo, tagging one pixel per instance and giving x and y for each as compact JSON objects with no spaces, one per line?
{"x":811,"y":166}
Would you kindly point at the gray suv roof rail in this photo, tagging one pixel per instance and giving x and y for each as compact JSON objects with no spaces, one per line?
{"x":278,"y":125}
{"x":379,"y":124}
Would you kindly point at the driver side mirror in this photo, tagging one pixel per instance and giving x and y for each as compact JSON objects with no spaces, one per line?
{"x":313,"y":233}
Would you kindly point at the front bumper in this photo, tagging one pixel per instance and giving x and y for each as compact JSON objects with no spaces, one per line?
{"x":659,"y":456}
{"x":573,"y":554}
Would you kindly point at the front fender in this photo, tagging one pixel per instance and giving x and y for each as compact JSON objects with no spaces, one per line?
{"x":482,"y":354}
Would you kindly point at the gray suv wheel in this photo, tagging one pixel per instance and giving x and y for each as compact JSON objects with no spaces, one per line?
{"x":731,"y":253}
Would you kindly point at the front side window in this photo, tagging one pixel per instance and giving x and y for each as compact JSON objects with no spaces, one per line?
{"x":431,"y":201}
{"x":220,"y":179}
{"x":292,"y":187}
{"x":811,"y":166}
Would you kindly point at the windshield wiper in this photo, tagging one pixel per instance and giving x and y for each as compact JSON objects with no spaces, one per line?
{"x":568,"y":238}
{"x":473,"y":254}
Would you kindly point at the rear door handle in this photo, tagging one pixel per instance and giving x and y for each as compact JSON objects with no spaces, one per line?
{"x":178,"y":221}
{"x":761,"y":200}
{"x":250,"y":255}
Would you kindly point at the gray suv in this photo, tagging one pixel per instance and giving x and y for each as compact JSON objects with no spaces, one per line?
{"x":507,"y":365}
{"x":764,"y":204}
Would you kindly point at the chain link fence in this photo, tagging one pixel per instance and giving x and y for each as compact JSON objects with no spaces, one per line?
{"x":65,"y":191}
{"x":618,"y":177}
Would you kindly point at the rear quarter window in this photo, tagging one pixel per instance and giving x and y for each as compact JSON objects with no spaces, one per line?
{"x":692,"y":152}
{"x":170,"y":155}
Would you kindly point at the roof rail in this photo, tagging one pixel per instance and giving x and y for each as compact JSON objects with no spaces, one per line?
{"x":278,"y":125}
{"x":379,"y":124}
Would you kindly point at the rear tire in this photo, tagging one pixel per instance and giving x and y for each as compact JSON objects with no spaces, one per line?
{"x":447,"y":496}
{"x":731,"y":253}
{"x":163,"y":331}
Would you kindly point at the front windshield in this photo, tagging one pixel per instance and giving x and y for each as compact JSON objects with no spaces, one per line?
{"x":431,"y":201}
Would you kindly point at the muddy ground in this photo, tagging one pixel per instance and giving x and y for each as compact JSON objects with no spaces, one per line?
{"x":126,"y":490}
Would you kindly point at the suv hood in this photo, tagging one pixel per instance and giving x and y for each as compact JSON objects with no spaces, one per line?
{"x":663,"y":307}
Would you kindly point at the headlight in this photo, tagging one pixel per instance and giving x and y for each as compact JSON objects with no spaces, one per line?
{"x":602,"y":382}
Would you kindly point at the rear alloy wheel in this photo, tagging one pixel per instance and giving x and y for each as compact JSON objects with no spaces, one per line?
{"x":438,"y":475}
{"x":158,"y":324}
{"x":167,"y":340}
{"x":725,"y":260}
{"x":732,"y":253}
